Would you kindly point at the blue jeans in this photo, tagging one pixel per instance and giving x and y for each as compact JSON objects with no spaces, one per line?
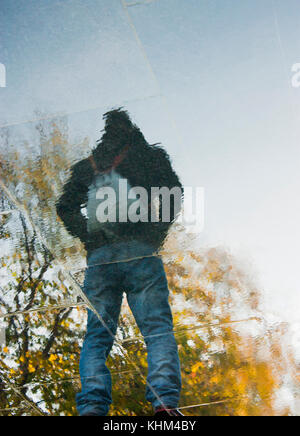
{"x":145,"y":284}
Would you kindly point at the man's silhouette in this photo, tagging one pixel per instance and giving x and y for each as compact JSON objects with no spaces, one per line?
{"x":121,"y":259}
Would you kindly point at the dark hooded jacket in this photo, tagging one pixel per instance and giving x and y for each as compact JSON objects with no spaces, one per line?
{"x":142,"y":165}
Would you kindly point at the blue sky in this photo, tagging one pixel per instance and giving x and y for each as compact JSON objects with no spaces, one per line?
{"x":229,"y":116}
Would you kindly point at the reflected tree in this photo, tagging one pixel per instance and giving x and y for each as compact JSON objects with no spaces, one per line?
{"x":238,"y":368}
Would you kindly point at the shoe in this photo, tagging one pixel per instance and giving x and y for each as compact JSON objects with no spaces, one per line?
{"x":90,"y":414}
{"x":167,"y":411}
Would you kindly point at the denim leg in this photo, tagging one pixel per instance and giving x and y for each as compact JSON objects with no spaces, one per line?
{"x":147,"y":294}
{"x":102,"y":287}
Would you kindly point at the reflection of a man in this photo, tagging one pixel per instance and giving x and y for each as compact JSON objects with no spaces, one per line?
{"x":121,"y":259}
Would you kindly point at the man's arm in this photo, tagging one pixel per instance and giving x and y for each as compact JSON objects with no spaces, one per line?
{"x":74,"y":196}
{"x":163,"y":175}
